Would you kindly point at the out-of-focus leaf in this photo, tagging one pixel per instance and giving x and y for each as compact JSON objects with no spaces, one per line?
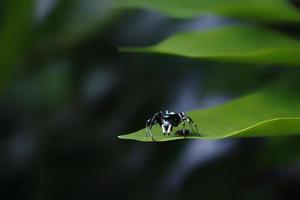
{"x":75,"y":20}
{"x":15,"y":31}
{"x":266,"y":10}
{"x":231,"y":43}
{"x":280,"y":152}
{"x":49,"y":88}
{"x":272,"y":111}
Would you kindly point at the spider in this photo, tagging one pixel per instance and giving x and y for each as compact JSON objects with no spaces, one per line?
{"x":167,"y":120}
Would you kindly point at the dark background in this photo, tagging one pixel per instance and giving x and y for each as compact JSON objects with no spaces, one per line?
{"x":67,"y":93}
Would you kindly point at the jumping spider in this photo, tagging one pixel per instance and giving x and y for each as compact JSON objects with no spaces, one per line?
{"x":167,"y":120}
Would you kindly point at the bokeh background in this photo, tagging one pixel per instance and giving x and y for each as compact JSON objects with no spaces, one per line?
{"x":67,"y":93}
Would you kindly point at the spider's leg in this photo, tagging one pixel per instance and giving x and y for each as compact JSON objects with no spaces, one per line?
{"x":182,"y":119}
{"x":150,"y":122}
{"x":149,"y":132}
{"x":183,"y":125}
{"x":148,"y":129}
{"x":169,"y":129}
{"x":193,"y":125}
{"x":163,"y":129}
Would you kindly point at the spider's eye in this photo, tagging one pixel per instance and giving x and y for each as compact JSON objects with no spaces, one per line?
{"x":166,"y":117}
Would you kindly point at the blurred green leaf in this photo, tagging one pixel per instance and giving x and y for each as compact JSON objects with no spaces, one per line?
{"x":266,"y":10}
{"x":15,"y":33}
{"x":280,"y":152}
{"x":272,"y":111}
{"x":49,"y":88}
{"x":74,"y":21}
{"x":231,"y":43}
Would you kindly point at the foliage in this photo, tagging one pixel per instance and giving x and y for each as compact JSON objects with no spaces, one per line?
{"x":67,"y":92}
{"x":263,"y":10}
{"x":271,"y":111}
{"x":268,"y":112}
{"x":231,"y":43}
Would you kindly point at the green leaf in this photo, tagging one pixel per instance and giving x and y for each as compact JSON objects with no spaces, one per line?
{"x":265,"y":10}
{"x":15,"y":36}
{"x":231,"y":43}
{"x":280,"y":152}
{"x":269,"y":112}
{"x":78,"y":20}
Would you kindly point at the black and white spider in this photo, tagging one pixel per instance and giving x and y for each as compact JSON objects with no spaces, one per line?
{"x":167,"y":120}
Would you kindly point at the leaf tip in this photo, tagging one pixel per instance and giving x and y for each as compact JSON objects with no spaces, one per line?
{"x":121,"y":137}
{"x":133,"y":49}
